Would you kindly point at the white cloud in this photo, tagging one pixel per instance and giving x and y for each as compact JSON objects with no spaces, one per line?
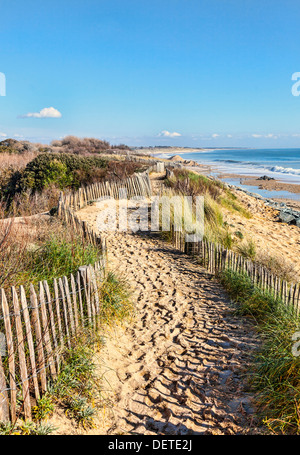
{"x":215,"y":135}
{"x":3,"y":135}
{"x":229,"y":135}
{"x":47,"y":112}
{"x":271,"y":135}
{"x":165,"y":133}
{"x":268,"y":136}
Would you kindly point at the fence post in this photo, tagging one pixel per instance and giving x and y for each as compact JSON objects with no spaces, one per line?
{"x":22,"y":358}
{"x":4,"y":403}
{"x":11,"y":356}
{"x":29,"y":341}
{"x":46,"y":334}
{"x":38,"y":337}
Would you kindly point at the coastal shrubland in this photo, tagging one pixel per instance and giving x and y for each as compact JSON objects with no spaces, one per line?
{"x":68,"y":144}
{"x":32,"y":185}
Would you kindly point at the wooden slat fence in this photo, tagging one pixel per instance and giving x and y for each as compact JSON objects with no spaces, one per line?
{"x":137,"y":185}
{"x":216,"y":258}
{"x":38,"y":322}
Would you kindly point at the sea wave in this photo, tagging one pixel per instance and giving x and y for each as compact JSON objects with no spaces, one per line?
{"x":284,"y":170}
{"x":262,"y":168}
{"x":244,"y":163}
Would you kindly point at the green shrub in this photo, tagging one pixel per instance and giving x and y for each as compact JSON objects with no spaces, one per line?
{"x":44,"y":408}
{"x":58,"y":168}
{"x":239,"y":234}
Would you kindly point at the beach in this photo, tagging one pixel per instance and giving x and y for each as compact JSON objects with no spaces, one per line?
{"x":282,"y":184}
{"x":270,"y":185}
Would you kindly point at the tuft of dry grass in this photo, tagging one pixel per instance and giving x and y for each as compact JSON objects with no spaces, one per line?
{"x":278,"y":265}
{"x":27,"y":204}
{"x":16,"y":161}
{"x":13,"y":246}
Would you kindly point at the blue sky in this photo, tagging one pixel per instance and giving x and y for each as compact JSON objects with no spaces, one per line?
{"x":148,"y":72}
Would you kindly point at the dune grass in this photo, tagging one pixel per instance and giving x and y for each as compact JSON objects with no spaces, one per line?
{"x":275,"y":371}
{"x":41,"y":251}
{"x":60,"y":255}
{"x":216,"y":197}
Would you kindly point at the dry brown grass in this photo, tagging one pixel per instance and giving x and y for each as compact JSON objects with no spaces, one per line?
{"x":16,"y":161}
{"x":27,"y":204}
{"x":13,"y":245}
{"x":278,"y":265}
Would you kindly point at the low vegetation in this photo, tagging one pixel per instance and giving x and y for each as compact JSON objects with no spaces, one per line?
{"x":275,"y":372}
{"x":216,"y":198}
{"x":46,"y":250}
{"x":31,"y":175}
{"x":69,"y":144}
{"x":40,"y":251}
{"x":77,"y":389}
{"x":26,"y":428}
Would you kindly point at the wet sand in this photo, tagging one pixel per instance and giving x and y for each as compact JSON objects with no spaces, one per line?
{"x":270,"y":185}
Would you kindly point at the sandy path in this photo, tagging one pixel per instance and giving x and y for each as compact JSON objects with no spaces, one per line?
{"x":178,"y":367}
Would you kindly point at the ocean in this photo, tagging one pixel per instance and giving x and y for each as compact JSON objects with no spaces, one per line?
{"x":281,"y":164}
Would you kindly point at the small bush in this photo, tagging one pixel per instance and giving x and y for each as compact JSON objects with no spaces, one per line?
{"x":44,"y":408}
{"x":239,"y":234}
{"x":60,"y":169}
